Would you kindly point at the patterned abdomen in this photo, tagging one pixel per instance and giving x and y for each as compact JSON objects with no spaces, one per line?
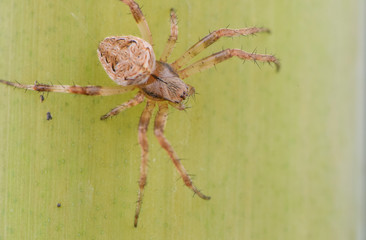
{"x":128,"y":60}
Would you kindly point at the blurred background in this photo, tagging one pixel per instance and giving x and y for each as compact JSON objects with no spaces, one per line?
{"x":281,"y":154}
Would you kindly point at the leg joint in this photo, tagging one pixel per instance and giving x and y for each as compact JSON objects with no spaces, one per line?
{"x":158,"y":132}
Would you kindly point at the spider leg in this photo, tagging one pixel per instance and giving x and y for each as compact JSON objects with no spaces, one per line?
{"x":131,"y":103}
{"x":87,"y":90}
{"x":210,"y":39}
{"x":218,"y":57}
{"x":160,"y":121}
{"x":172,"y":38}
{"x":140,"y":20}
{"x":142,"y":137}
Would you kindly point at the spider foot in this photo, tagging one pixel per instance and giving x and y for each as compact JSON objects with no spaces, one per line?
{"x":105,"y":116}
{"x":201,"y":195}
{"x":197,"y":192}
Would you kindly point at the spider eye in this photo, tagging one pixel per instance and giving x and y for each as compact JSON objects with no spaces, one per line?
{"x":184,"y":95}
{"x":128,"y":60}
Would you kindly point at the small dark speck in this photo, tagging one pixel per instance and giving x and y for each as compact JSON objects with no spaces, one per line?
{"x":41,"y":98}
{"x":49,"y":117}
{"x":58,"y":205}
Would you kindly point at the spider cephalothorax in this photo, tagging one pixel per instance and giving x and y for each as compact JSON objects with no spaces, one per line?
{"x":130,"y":62}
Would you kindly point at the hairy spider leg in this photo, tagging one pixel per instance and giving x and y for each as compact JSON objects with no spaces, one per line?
{"x":221,"y":56}
{"x":210,"y":39}
{"x":172,"y":38}
{"x":140,"y":20}
{"x":160,"y":121}
{"x":139,"y":98}
{"x":142,"y":137}
{"x":86,"y":90}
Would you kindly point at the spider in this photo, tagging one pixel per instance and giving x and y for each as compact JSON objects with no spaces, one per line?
{"x":131,"y":63}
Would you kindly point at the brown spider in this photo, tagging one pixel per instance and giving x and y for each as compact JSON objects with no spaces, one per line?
{"x":130,"y":62}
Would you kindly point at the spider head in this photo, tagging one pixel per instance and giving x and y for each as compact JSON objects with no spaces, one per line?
{"x":185,"y":98}
{"x":128,"y":60}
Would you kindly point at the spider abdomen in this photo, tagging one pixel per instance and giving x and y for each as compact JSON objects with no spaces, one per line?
{"x":128,"y":60}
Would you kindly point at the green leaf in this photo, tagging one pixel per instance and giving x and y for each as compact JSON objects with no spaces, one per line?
{"x":277,"y":152}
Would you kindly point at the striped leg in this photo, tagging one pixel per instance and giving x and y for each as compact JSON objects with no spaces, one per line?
{"x":210,"y":39}
{"x":160,"y":121}
{"x":131,"y":103}
{"x":87,"y":90}
{"x":143,"y":125}
{"x":172,"y":38}
{"x":140,"y":20}
{"x":218,"y":57}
